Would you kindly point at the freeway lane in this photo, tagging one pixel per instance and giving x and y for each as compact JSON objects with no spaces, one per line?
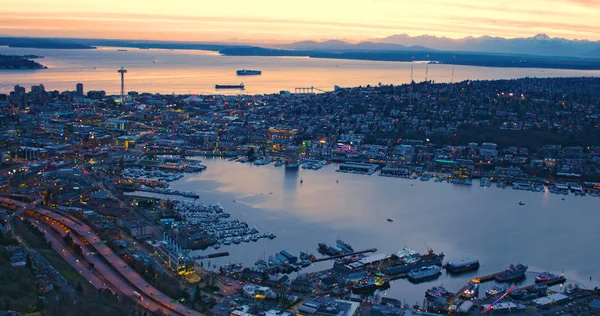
{"x":67,"y":255}
{"x":119,"y":285}
{"x":121,"y":266}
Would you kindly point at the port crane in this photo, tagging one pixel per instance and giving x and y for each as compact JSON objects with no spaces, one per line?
{"x":489,"y":308}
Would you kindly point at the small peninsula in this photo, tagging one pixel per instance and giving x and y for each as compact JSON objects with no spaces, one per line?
{"x":20,"y":62}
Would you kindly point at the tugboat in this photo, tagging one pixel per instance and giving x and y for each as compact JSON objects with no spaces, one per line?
{"x":436,"y":291}
{"x":549,"y":278}
{"x":512,"y":273}
{"x":307,"y":256}
{"x":521,"y":203}
{"x":370,"y":285}
{"x":471,"y":292}
{"x":325,"y":250}
{"x":496,"y":290}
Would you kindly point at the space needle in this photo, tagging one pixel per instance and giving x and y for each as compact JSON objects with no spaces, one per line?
{"x":122,"y":71}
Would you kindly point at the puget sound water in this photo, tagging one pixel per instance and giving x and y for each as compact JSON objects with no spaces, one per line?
{"x":197,"y":72}
{"x":485,"y":223}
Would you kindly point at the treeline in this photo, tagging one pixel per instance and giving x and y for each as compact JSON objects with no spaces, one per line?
{"x":457,"y":58}
{"x":19,"y":62}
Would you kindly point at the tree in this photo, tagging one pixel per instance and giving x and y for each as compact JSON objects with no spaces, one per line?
{"x":68,"y":239}
{"x":250,"y":152}
{"x":197,"y":294}
{"x":29,"y":264}
{"x":79,"y":288}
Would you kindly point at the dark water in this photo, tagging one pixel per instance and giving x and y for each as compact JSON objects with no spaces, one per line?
{"x":547,"y":234}
{"x":186,"y":71}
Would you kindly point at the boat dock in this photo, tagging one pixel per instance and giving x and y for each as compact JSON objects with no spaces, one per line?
{"x":483,"y":279}
{"x":345,"y":255}
{"x":489,"y":277}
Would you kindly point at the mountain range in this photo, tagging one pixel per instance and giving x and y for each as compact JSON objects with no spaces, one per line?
{"x":540,"y":45}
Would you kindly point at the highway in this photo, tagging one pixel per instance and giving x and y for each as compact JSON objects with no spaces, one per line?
{"x":121,"y":266}
{"x":116,"y":282}
{"x":67,"y":255}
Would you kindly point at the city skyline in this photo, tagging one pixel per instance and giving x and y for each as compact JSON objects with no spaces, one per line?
{"x":265,"y":21}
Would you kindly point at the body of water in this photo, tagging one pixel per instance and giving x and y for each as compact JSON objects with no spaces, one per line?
{"x":188,"y":71}
{"x":547,"y":233}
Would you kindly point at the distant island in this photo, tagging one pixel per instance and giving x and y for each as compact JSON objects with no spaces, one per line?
{"x":375,"y":51}
{"x":42,"y":43}
{"x":456,"y":58}
{"x":20,"y":62}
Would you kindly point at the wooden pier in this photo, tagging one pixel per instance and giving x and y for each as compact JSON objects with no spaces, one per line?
{"x":345,"y":255}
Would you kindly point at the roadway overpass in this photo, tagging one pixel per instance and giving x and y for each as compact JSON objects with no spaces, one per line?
{"x":142,"y":286}
{"x":149,"y":293}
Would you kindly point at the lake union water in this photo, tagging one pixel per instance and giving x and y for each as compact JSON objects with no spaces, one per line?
{"x":188,"y":71}
{"x":547,"y":233}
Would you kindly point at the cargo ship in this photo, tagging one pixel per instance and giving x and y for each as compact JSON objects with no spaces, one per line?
{"x":424,"y":273}
{"x":462,"y":265}
{"x":230,"y":86}
{"x":512,"y":273}
{"x":407,"y":259}
{"x":245,"y":72}
{"x":549,"y":278}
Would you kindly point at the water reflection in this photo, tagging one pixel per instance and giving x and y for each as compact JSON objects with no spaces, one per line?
{"x":184,"y":71}
{"x":483,"y":223}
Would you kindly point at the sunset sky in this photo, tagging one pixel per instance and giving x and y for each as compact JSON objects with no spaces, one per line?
{"x":277,"y":21}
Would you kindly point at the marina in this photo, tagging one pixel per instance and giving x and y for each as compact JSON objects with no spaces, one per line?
{"x":369,"y":228}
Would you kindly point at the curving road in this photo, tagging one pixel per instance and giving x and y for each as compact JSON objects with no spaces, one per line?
{"x":115,"y":281}
{"x":121,"y":266}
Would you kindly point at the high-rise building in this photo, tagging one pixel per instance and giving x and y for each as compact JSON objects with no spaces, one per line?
{"x":19,"y":96}
{"x":38,"y":91}
{"x":79,"y":88}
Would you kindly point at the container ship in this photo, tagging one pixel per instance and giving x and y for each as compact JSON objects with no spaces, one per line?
{"x":245,"y":72}
{"x":512,"y":273}
{"x":230,"y":86}
{"x":462,"y":265}
{"x":407,"y":259}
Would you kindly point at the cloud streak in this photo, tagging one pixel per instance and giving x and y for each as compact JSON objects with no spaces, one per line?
{"x":282,"y":21}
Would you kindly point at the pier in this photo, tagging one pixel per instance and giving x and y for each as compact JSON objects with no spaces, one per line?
{"x":214,"y":255}
{"x":345,"y":255}
{"x":483,"y":279}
